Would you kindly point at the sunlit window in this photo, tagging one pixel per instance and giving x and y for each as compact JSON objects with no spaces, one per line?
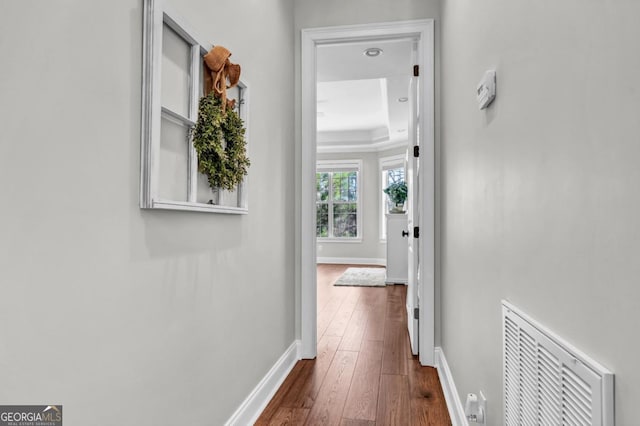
{"x":337,"y":200}
{"x":391,"y":170}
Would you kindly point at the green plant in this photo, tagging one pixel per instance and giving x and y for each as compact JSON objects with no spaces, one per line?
{"x":397,"y":192}
{"x":218,"y":138}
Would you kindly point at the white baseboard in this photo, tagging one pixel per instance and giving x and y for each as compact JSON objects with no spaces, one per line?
{"x":353,"y":260}
{"x":454,"y":405}
{"x":251,"y":408}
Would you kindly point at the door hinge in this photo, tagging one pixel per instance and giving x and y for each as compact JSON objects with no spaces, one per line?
{"x":416,"y":313}
{"x":416,"y":151}
{"x":416,"y":70}
{"x":416,"y":232}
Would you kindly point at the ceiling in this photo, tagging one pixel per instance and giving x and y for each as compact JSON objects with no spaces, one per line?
{"x":357,"y":95}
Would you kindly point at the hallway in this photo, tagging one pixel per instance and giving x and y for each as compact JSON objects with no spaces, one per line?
{"x":364,"y":373}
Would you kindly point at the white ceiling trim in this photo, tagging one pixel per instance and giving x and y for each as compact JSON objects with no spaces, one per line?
{"x":376,"y":135}
{"x":370,"y":147}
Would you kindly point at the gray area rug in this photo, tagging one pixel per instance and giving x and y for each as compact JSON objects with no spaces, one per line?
{"x":369,"y":277}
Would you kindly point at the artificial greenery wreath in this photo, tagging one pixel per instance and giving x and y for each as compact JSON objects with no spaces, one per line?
{"x":218,"y":138}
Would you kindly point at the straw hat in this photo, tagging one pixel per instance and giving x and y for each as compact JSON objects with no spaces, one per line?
{"x":220,"y":74}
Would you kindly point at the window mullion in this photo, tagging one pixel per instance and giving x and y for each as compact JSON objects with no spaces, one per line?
{"x":194,"y":95}
{"x":330,"y":206}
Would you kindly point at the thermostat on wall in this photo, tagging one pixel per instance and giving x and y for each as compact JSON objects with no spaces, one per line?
{"x":487,"y":89}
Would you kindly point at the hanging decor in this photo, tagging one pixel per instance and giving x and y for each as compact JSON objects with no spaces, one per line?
{"x":218,"y":136}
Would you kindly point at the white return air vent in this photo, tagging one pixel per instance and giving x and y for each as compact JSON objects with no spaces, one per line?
{"x":549,"y":382}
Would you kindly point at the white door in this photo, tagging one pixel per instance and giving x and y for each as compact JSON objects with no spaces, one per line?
{"x":413,"y":210}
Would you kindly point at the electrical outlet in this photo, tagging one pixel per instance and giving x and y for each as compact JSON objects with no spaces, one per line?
{"x":475,"y":409}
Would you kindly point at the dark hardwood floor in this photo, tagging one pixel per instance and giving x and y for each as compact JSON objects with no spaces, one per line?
{"x":364,"y":373}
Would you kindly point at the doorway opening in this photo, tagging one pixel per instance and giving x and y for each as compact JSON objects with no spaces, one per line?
{"x":421,"y":296}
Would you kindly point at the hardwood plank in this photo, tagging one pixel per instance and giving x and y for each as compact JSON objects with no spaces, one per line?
{"x":324,"y":319}
{"x":362,"y":401}
{"x":428,"y":406}
{"x":375,"y":324}
{"x":407,"y":343}
{"x":393,"y":401}
{"x":371,"y":296}
{"x":339,"y":323}
{"x":290,"y":417}
{"x":329,"y":296}
{"x":394,"y":359}
{"x":327,"y":409}
{"x":351,"y":299}
{"x":320,"y":386}
{"x":380,"y":299}
{"x":396,"y":301}
{"x":276,"y":401}
{"x":352,"y":422}
{"x":335,"y":298}
{"x":304,"y":391}
{"x":354,"y":332}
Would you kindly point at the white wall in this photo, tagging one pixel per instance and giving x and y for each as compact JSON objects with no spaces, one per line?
{"x":311,"y":13}
{"x":540,"y":198}
{"x":122,"y":315}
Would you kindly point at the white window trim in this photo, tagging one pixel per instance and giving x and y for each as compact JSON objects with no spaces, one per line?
{"x":157,"y":14}
{"x":386,"y":163}
{"x":338,"y":165}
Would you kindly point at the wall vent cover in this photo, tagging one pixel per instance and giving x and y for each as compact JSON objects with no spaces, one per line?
{"x":549,"y":382}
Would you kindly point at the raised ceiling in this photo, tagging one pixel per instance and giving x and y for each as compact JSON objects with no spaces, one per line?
{"x":358,"y":107}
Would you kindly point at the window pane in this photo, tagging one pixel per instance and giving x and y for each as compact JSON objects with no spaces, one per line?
{"x":345,"y":220}
{"x":236,"y":93}
{"x":345,"y":186}
{"x":176,"y":58}
{"x":322,"y":186}
{"x":322,"y":220}
{"x":395,"y":175}
{"x":174,"y":161}
{"x":231,"y":198}
{"x":204,"y":192}
{"x":219,"y":197}
{"x":392,"y":176}
{"x":340,"y":186}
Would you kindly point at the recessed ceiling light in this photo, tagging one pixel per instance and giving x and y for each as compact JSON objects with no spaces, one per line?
{"x":403,"y":99}
{"x":372,"y":52}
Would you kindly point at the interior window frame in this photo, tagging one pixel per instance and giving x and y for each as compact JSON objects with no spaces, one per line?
{"x":333,"y":166}
{"x":384,"y":164}
{"x":157,"y":15}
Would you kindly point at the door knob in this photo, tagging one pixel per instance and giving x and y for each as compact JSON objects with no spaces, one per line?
{"x":405,"y":233}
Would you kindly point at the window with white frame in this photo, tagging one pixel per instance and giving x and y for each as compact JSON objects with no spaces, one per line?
{"x":392,"y":169}
{"x":338,"y":200}
{"x":172,"y":85}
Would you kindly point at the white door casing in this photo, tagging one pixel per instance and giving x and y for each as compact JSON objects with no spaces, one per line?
{"x":423,"y":32}
{"x":413,"y":215}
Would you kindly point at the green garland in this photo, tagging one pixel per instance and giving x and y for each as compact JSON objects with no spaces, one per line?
{"x":224,"y":165}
